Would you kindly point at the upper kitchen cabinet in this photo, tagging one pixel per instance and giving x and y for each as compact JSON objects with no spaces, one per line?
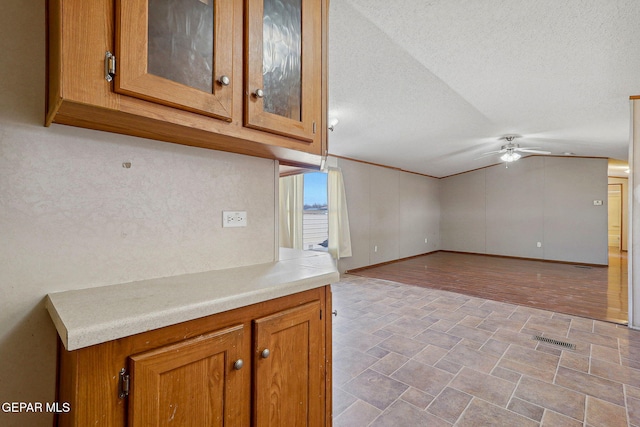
{"x":242,"y":76}
{"x":283,"y":77}
{"x":178,"y":53}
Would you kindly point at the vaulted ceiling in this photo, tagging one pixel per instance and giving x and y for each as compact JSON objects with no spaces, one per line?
{"x":430,"y":85}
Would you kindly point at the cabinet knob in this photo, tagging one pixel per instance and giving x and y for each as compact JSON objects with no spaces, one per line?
{"x":259,"y":93}
{"x":224,"y":81}
{"x":238,"y":365}
{"x":265,"y":353}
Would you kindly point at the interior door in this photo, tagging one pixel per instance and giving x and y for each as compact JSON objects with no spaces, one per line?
{"x":615,"y":215}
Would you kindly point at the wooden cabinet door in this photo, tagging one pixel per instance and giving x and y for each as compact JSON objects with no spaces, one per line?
{"x":191,"y":383}
{"x":289,"y":368}
{"x":284,"y":67}
{"x":178,"y":53}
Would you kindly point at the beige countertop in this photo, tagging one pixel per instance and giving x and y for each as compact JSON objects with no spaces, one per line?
{"x":95,"y":315}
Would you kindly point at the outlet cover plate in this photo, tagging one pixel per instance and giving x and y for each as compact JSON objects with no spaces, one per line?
{"x":234,"y":218}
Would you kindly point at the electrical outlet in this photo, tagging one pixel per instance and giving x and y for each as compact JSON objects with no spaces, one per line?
{"x":426,"y":240}
{"x":234,"y":218}
{"x":375,"y":248}
{"x":539,"y":244}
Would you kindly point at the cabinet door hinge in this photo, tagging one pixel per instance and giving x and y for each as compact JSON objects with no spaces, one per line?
{"x":320,"y":314}
{"x":109,"y":66}
{"x":123,"y":384}
{"x":314,"y":127}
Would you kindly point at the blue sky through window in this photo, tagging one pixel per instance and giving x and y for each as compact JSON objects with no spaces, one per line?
{"x":315,"y":188}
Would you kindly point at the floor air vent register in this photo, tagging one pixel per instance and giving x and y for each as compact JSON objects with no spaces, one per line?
{"x":555,"y":342}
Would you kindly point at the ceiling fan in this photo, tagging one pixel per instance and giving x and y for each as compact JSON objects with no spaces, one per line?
{"x":511,"y":150}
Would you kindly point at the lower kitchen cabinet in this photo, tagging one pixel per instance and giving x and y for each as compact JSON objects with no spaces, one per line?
{"x":267,"y":364}
{"x":193,"y":382}
{"x":289,"y":368}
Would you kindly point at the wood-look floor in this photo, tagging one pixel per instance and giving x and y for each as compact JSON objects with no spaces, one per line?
{"x":593,"y":292}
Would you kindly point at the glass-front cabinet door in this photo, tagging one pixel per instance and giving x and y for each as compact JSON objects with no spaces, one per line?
{"x":283,"y":67}
{"x":177,"y":52}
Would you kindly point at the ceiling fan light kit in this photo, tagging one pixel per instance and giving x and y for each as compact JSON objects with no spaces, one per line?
{"x":510,"y":157}
{"x":510,"y":152}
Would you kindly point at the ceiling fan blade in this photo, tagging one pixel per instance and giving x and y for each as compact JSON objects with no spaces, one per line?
{"x":532,"y":151}
{"x":490,"y":153}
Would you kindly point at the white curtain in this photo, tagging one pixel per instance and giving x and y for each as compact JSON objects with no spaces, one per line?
{"x":339,"y":235}
{"x":291,"y":205}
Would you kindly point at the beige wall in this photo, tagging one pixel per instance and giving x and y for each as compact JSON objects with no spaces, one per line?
{"x":419,"y":214}
{"x":507,"y":211}
{"x":463,"y":212}
{"x":496,"y":210}
{"x":72,"y":217}
{"x":391,"y":210}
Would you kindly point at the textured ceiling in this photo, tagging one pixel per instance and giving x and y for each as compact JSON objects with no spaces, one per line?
{"x":430,"y":85}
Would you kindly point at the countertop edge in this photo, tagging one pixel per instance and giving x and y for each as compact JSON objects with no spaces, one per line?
{"x":57,"y":320}
{"x":82,"y":318}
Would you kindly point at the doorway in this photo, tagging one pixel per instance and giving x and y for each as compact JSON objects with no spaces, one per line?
{"x":617,"y":293}
{"x":615,"y":227}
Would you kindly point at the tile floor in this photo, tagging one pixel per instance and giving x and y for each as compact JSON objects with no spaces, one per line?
{"x":411,"y":356}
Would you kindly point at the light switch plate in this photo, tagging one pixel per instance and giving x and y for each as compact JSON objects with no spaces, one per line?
{"x":597,"y":203}
{"x":234,"y":218}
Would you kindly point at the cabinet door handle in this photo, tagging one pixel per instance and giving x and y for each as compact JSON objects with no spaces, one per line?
{"x":238,"y":365}
{"x":224,"y":80}
{"x":259,"y":93}
{"x":265,"y":353}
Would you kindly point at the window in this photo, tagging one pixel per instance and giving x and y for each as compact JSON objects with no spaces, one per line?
{"x":305,"y":220}
{"x":315,"y":221}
